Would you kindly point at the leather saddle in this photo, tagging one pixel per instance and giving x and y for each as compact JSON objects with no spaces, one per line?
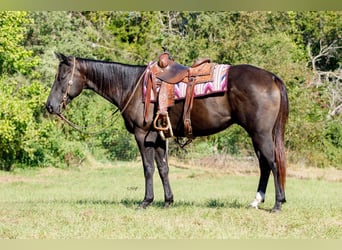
{"x":172,"y":72}
{"x":163,"y":75}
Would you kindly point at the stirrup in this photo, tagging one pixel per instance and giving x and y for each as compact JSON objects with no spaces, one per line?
{"x":162,"y":123}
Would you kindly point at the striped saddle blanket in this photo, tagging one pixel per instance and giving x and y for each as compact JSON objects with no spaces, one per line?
{"x":217,"y":85}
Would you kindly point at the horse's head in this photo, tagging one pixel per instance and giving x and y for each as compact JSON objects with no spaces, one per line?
{"x":68,"y":84}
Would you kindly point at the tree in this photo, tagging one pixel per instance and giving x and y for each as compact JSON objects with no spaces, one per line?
{"x":321,"y":35}
{"x":14,"y":57}
{"x":303,"y":48}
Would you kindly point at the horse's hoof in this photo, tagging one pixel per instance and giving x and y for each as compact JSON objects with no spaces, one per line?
{"x":140,"y":207}
{"x":143,"y":205}
{"x":167,"y":204}
{"x":277,"y":207}
{"x":254,"y":205}
{"x":276,"y":210}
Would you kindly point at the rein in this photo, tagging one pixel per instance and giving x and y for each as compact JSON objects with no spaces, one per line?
{"x":81,"y":129}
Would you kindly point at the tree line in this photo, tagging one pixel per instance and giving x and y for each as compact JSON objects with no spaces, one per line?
{"x":303,"y":48}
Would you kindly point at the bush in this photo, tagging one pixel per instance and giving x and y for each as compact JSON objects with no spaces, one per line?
{"x":333,"y":133}
{"x":277,"y":42}
{"x":234,"y":141}
{"x":119,"y":144}
{"x":15,"y":121}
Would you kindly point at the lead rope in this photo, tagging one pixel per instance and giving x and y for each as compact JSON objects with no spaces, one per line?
{"x":82,"y":129}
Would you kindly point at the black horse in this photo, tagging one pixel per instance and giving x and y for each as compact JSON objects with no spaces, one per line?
{"x":255,"y":99}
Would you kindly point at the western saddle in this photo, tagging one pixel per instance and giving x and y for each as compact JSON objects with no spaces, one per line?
{"x":163,"y":75}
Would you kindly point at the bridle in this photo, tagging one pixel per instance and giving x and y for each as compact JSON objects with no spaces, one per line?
{"x":70,"y":82}
{"x":63,"y":103}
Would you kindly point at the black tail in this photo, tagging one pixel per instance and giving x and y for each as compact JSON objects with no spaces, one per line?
{"x":279,"y":131}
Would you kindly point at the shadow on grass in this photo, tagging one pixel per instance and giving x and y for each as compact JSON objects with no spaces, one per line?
{"x":97,"y":202}
{"x":212,"y":203}
{"x":217,"y":203}
{"x":129,"y":203}
{"x":134,"y":203}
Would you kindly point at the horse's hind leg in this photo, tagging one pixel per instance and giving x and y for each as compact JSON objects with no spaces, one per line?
{"x":163,"y":168}
{"x":263,"y":181}
{"x":264,"y":148}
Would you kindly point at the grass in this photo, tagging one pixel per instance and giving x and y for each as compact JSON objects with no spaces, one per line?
{"x":100,"y":203}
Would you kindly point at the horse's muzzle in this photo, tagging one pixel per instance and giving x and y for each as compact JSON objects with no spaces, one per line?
{"x":52,"y":109}
{"x":49,"y":108}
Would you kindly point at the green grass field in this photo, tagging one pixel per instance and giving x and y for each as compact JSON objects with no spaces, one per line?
{"x":100,"y":203}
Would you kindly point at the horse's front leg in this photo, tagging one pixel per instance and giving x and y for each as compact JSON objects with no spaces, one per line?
{"x":148,"y":174}
{"x":161,"y":157}
{"x":147,"y":152}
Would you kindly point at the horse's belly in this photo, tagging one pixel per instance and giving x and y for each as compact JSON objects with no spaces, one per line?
{"x":208,"y":116}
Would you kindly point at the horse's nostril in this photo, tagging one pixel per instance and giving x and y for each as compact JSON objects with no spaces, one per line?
{"x":49,"y":108}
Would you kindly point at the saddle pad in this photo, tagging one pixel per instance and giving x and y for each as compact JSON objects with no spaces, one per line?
{"x":219,"y":84}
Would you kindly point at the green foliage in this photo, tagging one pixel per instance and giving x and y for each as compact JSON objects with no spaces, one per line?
{"x":18,"y":127}
{"x":282,"y":42}
{"x":334,"y":134}
{"x":314,"y":29}
{"x":119,"y":145}
{"x":309,"y":119}
{"x":14,"y":57}
{"x":234,"y":141}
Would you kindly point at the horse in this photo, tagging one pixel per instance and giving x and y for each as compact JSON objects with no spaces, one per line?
{"x":255,"y":99}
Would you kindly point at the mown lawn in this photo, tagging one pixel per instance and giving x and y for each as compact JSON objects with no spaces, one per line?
{"x":100,"y":203}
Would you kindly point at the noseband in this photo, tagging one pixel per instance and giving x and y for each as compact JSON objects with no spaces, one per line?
{"x":70,"y":82}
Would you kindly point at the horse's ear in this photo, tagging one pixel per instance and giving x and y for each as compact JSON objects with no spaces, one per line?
{"x":61,"y":57}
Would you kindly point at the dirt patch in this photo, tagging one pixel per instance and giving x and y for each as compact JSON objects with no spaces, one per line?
{"x":218,"y":164}
{"x":209,"y":165}
{"x":12,"y":178}
{"x":39,"y":176}
{"x":329,"y":174}
{"x":249,"y":166}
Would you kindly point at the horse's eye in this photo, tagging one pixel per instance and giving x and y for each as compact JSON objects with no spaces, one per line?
{"x":61,"y":77}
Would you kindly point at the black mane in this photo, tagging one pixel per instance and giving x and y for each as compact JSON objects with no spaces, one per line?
{"x":110,"y":73}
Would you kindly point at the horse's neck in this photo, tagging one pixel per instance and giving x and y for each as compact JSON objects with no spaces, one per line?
{"x":113,"y":81}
